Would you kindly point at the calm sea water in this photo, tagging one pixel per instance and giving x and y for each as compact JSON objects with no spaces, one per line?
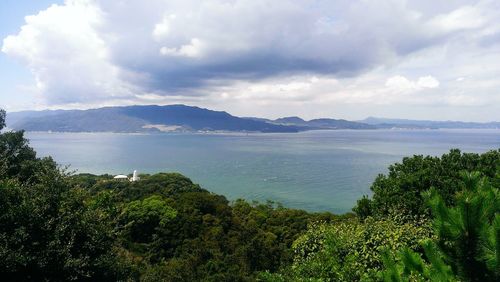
{"x":316,"y":170}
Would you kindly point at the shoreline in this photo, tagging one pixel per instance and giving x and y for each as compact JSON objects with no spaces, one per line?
{"x":254,"y":133}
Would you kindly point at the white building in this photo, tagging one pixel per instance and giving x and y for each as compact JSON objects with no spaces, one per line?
{"x":120,"y":177}
{"x":135,"y":177}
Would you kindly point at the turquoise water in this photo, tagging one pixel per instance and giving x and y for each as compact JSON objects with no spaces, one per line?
{"x":316,"y":170}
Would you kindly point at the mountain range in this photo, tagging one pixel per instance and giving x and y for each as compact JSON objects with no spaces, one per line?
{"x":316,"y":124}
{"x":408,"y":123}
{"x":182,"y":118}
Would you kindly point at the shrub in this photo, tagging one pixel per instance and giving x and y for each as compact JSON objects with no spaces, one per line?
{"x":350,"y":250}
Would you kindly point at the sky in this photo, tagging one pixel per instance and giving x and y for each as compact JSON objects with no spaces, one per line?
{"x":416,"y":59}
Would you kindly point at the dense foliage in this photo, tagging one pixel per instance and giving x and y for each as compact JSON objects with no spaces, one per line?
{"x":172,"y":229}
{"x":350,"y":250}
{"x":428,"y":219}
{"x":401,"y":189}
{"x":468,"y":238}
{"x":48,"y":230}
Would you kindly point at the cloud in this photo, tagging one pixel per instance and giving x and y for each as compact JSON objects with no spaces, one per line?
{"x":192,"y":50}
{"x":466,"y":17}
{"x":101,"y":51}
{"x":162,"y":29}
{"x":401,"y":83}
{"x":68,"y":58}
{"x":427,"y":82}
{"x":171,"y":46}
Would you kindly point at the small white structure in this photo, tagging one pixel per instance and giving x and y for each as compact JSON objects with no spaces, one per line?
{"x":135,"y":177}
{"x":120,"y":177}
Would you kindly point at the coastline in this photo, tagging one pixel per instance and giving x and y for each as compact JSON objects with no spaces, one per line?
{"x":253,"y":133}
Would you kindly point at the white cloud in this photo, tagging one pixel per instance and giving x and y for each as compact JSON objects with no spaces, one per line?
{"x":401,"y":83}
{"x":162,"y":29}
{"x":192,"y":50}
{"x":326,"y":54}
{"x":68,"y":58}
{"x":466,"y":17}
{"x":168,"y":51}
{"x":427,"y":82}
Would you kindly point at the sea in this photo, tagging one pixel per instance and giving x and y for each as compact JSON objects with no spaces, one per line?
{"x":324,"y":170}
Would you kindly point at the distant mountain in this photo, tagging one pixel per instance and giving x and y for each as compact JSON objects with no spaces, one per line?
{"x":407,"y":123}
{"x":15,"y":117}
{"x":322,"y":123}
{"x":139,"y":119}
{"x":258,"y":119}
{"x":182,"y":118}
{"x":291,"y":120}
{"x":329,"y":123}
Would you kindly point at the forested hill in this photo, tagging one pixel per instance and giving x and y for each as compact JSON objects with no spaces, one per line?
{"x":182,"y":118}
{"x":171,"y":118}
{"x":139,"y":119}
{"x":323,"y":123}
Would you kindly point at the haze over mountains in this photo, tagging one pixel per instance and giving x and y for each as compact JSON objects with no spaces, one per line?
{"x":182,"y":118}
{"x":408,"y":123}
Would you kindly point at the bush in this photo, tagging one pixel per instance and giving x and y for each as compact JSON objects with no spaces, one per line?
{"x":350,"y":250}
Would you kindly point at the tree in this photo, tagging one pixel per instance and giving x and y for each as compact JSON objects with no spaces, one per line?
{"x":141,"y":218}
{"x":465,"y":230}
{"x":413,"y":268}
{"x":400,"y":191}
{"x":48,"y":231}
{"x":363,"y":208}
{"x":2,"y":118}
{"x":468,"y":237}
